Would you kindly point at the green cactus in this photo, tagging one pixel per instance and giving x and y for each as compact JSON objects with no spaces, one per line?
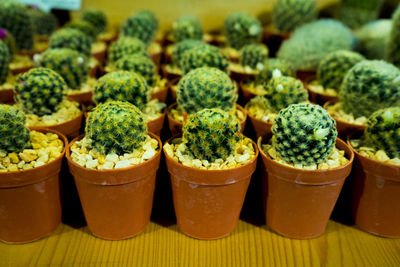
{"x":203,"y":56}
{"x":44,"y":23}
{"x":70,"y":64}
{"x":5,"y":60}
{"x":393,"y":53}
{"x":39,"y":91}
{"x":206,"y":88}
{"x":16,"y":135}
{"x":383,"y":131}
{"x":9,"y":40}
{"x":242,"y":29}
{"x":287,"y":15}
{"x":126,"y":46}
{"x":211,"y":134}
{"x":254,"y":56}
{"x":334,"y":66}
{"x":15,"y":18}
{"x":310,"y":43}
{"x":71,"y":38}
{"x":187,"y":27}
{"x":304,"y":134}
{"x":116,"y":127}
{"x":180,"y":48}
{"x":274,"y":64}
{"x":368,"y":86}
{"x":355,"y":13}
{"x":97,"y":18}
{"x":140,"y":64}
{"x":122,"y":86}
{"x":81,"y":25}
{"x":142,"y":25}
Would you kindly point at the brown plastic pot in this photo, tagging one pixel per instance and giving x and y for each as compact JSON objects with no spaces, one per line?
{"x":19,"y":70}
{"x":30,"y":201}
{"x":175,"y":126}
{"x":69,"y":128}
{"x":168,"y":74}
{"x":156,"y":57}
{"x":117,"y":203}
{"x":262,"y":128}
{"x":208,"y":202}
{"x":273,"y":40}
{"x":161,"y":95}
{"x":376,"y":195}
{"x":101,"y":55}
{"x":84,"y":98}
{"x":247,"y":95}
{"x":241,"y":77}
{"x":155,"y":126}
{"x":316,"y":97}
{"x":95,"y":70}
{"x":305,"y":75}
{"x":299,"y":202}
{"x":7,"y":96}
{"x":108,"y":39}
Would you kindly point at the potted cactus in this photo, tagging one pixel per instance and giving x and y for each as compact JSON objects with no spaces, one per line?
{"x":204,"y":88}
{"x":305,"y":168}
{"x":368,"y":86}
{"x":187,"y":27}
{"x":376,"y":185}
{"x":280,"y":92}
{"x":210,"y":169}
{"x":133,"y":88}
{"x":98,"y":19}
{"x":330,"y":73}
{"x":393,"y":51}
{"x":30,"y":162}
{"x":44,"y":23}
{"x":6,"y":80}
{"x":358,"y":13}
{"x":124,"y":46}
{"x":114,"y":166}
{"x":41,"y":94}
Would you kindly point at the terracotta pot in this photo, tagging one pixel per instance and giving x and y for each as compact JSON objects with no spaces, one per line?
{"x":156,"y":57}
{"x":241,"y":76}
{"x":19,"y":70}
{"x":273,"y":40}
{"x":305,"y":75}
{"x":30,"y":201}
{"x":7,"y":96}
{"x":208,"y":202}
{"x":100,"y":55}
{"x":376,"y":195}
{"x":117,"y":203}
{"x":262,"y":128}
{"x":84,"y":98}
{"x":175,"y":126}
{"x":300,"y":202}
{"x":317,"y":97}
{"x":161,"y":95}
{"x":108,"y":39}
{"x":169,"y":75}
{"x":246,"y":94}
{"x":174,"y":88}
{"x":155,"y":126}
{"x":96,"y":70}
{"x":69,"y":128}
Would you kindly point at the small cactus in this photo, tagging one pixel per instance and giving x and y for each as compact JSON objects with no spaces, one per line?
{"x":97,"y":18}
{"x":125,"y":46}
{"x":203,"y":56}
{"x":44,"y":23}
{"x":242,"y":29}
{"x":142,"y":25}
{"x":373,"y":39}
{"x":71,"y":38}
{"x":81,"y":25}
{"x":253,"y":56}
{"x":5,"y":60}
{"x":356,"y":13}
{"x":270,"y":66}
{"x":15,"y":135}
{"x":187,"y":27}
{"x":180,"y":48}
{"x":9,"y":40}
{"x":140,"y":64}
{"x":393,"y":53}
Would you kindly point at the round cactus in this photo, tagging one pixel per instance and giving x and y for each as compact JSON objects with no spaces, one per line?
{"x":304,"y":134}
{"x":122,"y":86}
{"x":97,"y":18}
{"x":15,"y":135}
{"x":126,"y":46}
{"x":393,"y":53}
{"x":383,"y":131}
{"x":116,"y":127}
{"x":203,"y":56}
{"x":334,"y":66}
{"x":211,"y":134}
{"x":187,"y":27}
{"x":73,"y":39}
{"x":81,"y":25}
{"x":368,"y":86}
{"x":254,"y":56}
{"x":40,"y":91}
{"x":70,"y":64}
{"x":242,"y":29}
{"x":287,"y":15}
{"x":9,"y":40}
{"x":355,"y":13}
{"x":272,"y":64}
{"x":142,"y":25}
{"x":206,"y":88}
{"x":15,"y":18}
{"x":180,"y":48}
{"x":5,"y":59}
{"x":44,"y":23}
{"x":373,"y":38}
{"x":140,"y":64}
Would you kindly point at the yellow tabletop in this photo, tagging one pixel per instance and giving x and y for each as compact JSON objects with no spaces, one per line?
{"x":248,"y":245}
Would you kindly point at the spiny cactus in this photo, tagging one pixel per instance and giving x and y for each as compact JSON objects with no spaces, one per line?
{"x":206,"y":88}
{"x":5,"y":60}
{"x":203,"y":56}
{"x":373,"y":38}
{"x":187,"y":27}
{"x":97,"y":18}
{"x":383,"y":131}
{"x":140,"y":64}
{"x":310,"y":43}
{"x":211,"y":134}
{"x":71,"y":38}
{"x":180,"y":48}
{"x":44,"y":23}
{"x":355,"y":13}
{"x":142,"y":25}
{"x":368,"y":86}
{"x":253,"y":55}
{"x":304,"y":134}
{"x":334,"y":66}
{"x":7,"y":38}
{"x":81,"y":25}
{"x":70,"y":64}
{"x":15,"y":18}
{"x":242,"y":29}
{"x":287,"y":15}
{"x":394,"y":40}
{"x":39,"y":91}
{"x":14,"y":134}
{"x":122,"y":86}
{"x":116,"y":127}
{"x":126,"y":46}
{"x":272,"y":64}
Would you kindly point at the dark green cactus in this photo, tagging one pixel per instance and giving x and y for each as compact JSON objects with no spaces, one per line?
{"x":274,"y":64}
{"x":180,"y":48}
{"x":373,"y":38}
{"x":44,"y":23}
{"x":116,"y":127}
{"x":5,"y":60}
{"x":73,"y":39}
{"x":393,"y":53}
{"x":355,"y":13}
{"x":126,"y":46}
{"x":7,"y":38}
{"x":304,"y":134}
{"x":254,"y":56}
{"x":140,"y":64}
{"x":203,"y":56}
{"x":142,"y":25}
{"x":242,"y":29}
{"x":211,"y":134}
{"x":40,"y":91}
{"x":81,"y":25}
{"x":15,"y":135}
{"x":187,"y":27}
{"x":97,"y":18}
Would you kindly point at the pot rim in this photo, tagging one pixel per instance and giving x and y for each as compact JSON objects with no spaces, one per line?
{"x":79,"y":117}
{"x":353,"y":125}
